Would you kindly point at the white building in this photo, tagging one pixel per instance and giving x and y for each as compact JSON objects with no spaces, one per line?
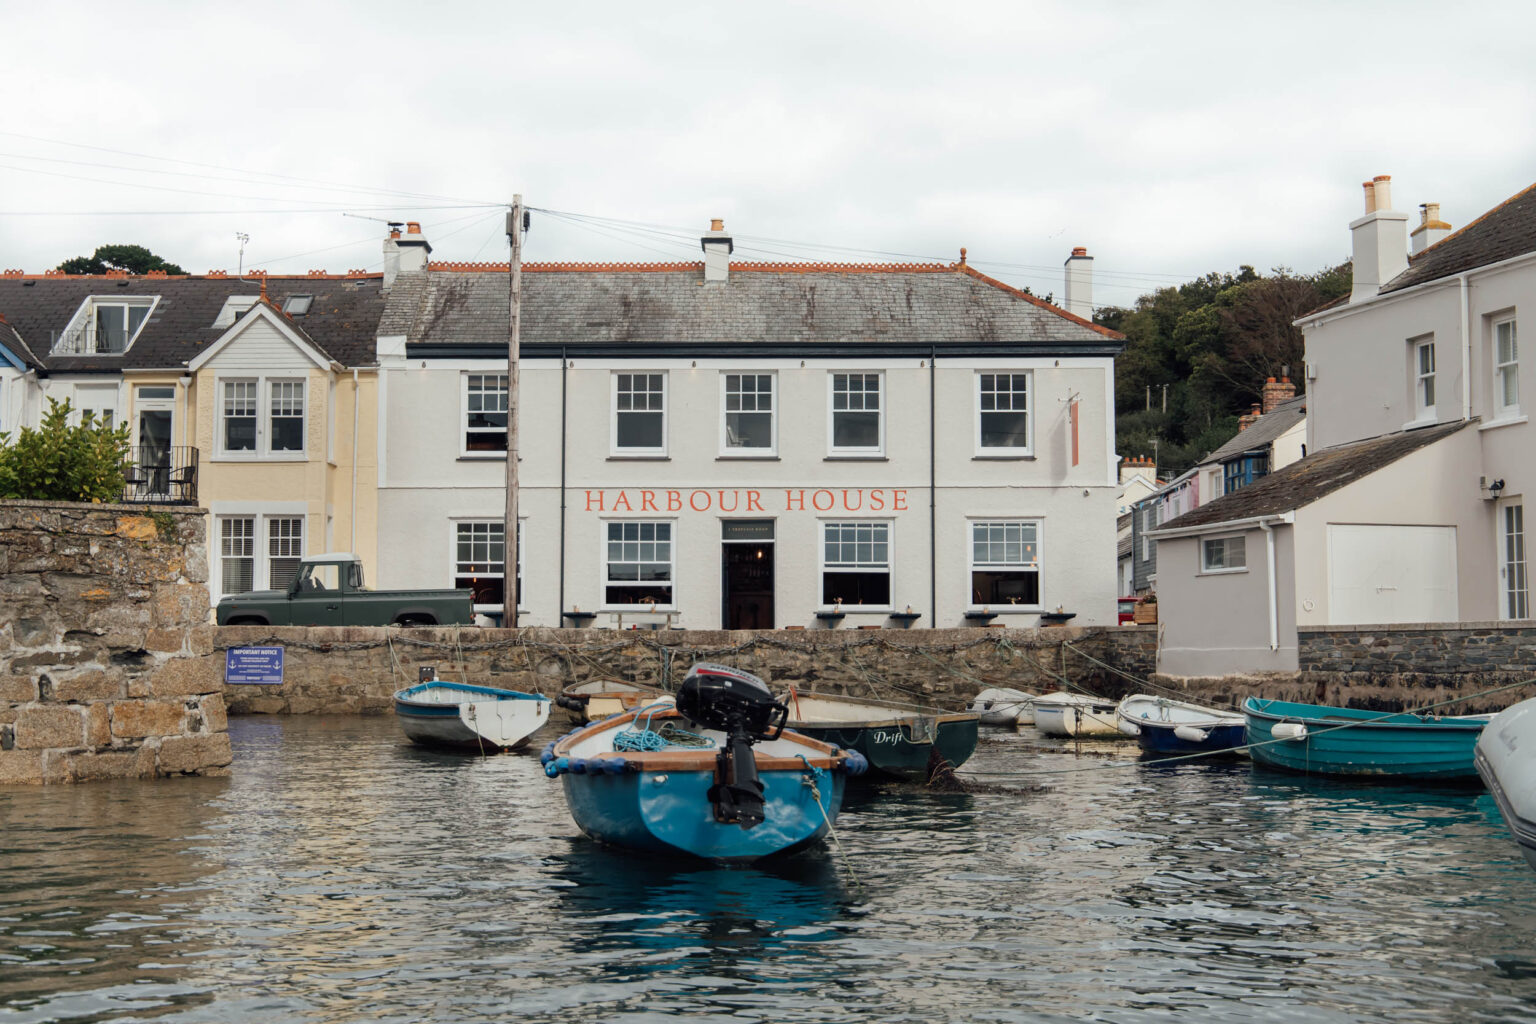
{"x":1409,"y":507}
{"x":739,"y":445}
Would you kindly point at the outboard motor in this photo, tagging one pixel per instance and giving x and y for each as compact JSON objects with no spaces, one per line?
{"x":740,"y":705}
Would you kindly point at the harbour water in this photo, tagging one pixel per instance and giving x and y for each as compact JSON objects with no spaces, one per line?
{"x":342,"y":875}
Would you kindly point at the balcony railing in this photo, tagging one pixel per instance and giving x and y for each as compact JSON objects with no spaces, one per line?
{"x":160,"y":475}
{"x":85,"y":339}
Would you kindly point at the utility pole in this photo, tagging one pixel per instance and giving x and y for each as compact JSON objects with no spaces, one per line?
{"x":514,"y":331}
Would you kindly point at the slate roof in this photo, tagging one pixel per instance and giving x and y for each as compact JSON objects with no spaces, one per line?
{"x":341,"y":320}
{"x":13,"y":343}
{"x":1314,"y":477}
{"x":1264,"y":430}
{"x":1505,"y":231}
{"x":761,"y":303}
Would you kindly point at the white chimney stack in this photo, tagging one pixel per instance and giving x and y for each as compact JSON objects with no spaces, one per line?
{"x":1079,"y":290}
{"x":404,"y":254}
{"x":1431,"y":228}
{"x":1380,"y":241}
{"x":717,"y":246}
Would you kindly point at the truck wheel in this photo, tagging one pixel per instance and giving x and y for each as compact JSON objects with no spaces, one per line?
{"x":408,"y":621}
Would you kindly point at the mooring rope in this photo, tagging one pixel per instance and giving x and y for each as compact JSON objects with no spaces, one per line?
{"x":811,"y":779}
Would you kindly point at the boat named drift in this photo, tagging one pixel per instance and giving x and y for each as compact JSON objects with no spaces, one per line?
{"x":713,"y":775}
{"x":1347,"y":741}
{"x":896,"y":739}
{"x":443,"y":713}
{"x":1178,"y":727}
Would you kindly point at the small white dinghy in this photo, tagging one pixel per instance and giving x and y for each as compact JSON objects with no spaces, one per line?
{"x":999,"y":705}
{"x":1075,"y":714}
{"x":443,"y":713}
{"x":1506,"y":759}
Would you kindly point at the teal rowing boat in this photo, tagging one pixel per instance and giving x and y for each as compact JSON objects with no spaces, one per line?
{"x":1347,"y":741}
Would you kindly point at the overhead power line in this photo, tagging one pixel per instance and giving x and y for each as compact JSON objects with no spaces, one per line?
{"x":237,"y":170}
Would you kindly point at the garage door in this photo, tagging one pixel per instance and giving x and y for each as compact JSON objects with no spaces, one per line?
{"x":1381,"y":574}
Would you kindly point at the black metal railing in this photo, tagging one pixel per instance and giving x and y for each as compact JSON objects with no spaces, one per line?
{"x":160,"y":475}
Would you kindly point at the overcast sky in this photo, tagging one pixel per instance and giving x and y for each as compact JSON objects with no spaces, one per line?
{"x":1169,"y":139}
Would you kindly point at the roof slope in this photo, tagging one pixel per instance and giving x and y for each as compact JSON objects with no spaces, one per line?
{"x":1505,"y":231}
{"x":341,"y":320}
{"x":1314,"y":477}
{"x":761,"y":303}
{"x":1264,"y":430}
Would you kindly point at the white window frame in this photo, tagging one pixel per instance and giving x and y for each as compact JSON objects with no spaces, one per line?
{"x":1006,"y":521}
{"x":465,"y":452}
{"x":1206,"y":569}
{"x":261,"y":539}
{"x":97,"y":392}
{"x":1150,"y":520}
{"x":1505,"y":371}
{"x":79,"y":337}
{"x":263,"y":451}
{"x":1514,"y":593}
{"x":522,"y":559}
{"x":613,"y":416}
{"x":855,"y":451}
{"x":604,"y":581}
{"x":1026,"y":450}
{"x":822,"y":568}
{"x":737,"y":451}
{"x":1424,"y":389}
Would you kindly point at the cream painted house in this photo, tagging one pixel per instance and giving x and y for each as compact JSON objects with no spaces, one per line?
{"x":1409,"y":507}
{"x":725,"y":444}
{"x":243,"y":396}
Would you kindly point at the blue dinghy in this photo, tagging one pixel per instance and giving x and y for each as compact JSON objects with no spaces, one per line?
{"x":1347,"y":741}
{"x":713,"y":776}
{"x":1177,"y":727}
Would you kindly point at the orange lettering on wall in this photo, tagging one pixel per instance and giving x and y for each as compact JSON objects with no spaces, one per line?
{"x":850,"y":506}
{"x":754,"y":503}
{"x":720,"y":500}
{"x":794,"y":501}
{"x":693,"y":501}
{"x":899,"y":503}
{"x":599,"y":495}
{"x":876,"y":500}
{"x":621,"y":503}
{"x":674,"y":501}
{"x":816,"y":501}
{"x":647,"y":501}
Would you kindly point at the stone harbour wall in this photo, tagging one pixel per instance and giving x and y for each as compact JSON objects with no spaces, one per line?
{"x":1392,"y":668}
{"x":355,"y":670}
{"x":104,"y":638}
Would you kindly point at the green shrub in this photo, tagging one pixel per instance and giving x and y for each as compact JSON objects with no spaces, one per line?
{"x":59,"y":462}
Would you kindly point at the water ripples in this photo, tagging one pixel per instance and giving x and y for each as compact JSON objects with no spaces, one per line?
{"x":343,"y":875}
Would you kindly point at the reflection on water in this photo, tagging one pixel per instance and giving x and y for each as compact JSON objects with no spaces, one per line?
{"x":344,"y":875}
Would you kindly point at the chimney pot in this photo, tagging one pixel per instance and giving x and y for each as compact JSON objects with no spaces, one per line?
{"x":1370,"y":196}
{"x":1383,"y":183}
{"x":717,"y":224}
{"x":1431,"y":228}
{"x":413,"y":227}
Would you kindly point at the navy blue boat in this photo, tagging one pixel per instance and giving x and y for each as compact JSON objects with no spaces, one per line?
{"x":1167,"y":726}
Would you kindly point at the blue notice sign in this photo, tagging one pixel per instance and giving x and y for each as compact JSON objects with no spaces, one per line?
{"x":254,"y":666}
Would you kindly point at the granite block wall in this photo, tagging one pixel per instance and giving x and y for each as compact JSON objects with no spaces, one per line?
{"x":103,"y":622}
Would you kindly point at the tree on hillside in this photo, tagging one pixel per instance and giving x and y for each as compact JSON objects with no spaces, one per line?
{"x":1197,"y":355}
{"x":133,"y":258}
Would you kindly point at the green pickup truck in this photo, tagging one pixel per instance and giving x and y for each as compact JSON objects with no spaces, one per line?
{"x":329,"y":591}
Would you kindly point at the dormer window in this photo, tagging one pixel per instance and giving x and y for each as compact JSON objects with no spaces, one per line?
{"x":234,"y":307}
{"x":105,"y":325}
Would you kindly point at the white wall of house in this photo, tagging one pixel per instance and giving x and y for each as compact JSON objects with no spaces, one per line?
{"x":1435,"y":486}
{"x":1216,"y":623}
{"x":429,"y":483}
{"x":1288,"y":447}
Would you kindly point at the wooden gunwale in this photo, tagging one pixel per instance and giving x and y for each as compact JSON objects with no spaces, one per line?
{"x":688,"y":759}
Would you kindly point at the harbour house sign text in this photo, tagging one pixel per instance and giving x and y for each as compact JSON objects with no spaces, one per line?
{"x":795,"y":499}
